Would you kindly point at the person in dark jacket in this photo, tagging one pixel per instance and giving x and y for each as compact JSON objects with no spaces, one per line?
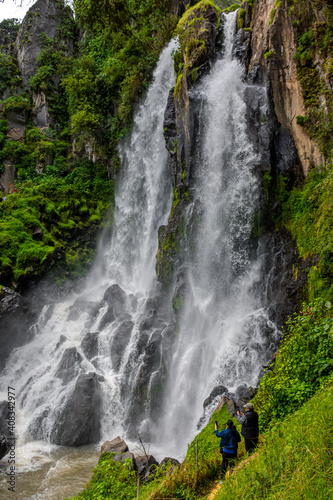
{"x":250,"y":427}
{"x":228,"y":445}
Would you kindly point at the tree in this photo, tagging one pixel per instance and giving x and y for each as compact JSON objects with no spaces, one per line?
{"x":96,"y":14}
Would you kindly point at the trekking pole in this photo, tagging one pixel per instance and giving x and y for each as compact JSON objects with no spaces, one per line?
{"x":138,"y":493}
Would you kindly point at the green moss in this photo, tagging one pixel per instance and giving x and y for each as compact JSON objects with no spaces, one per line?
{"x":271,"y":16}
{"x":241,"y":18}
{"x":231,"y":8}
{"x":269,"y":54}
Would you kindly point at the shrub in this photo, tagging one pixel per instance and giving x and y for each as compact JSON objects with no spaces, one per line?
{"x":304,"y":361}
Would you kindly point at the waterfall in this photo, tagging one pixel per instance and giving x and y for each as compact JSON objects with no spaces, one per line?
{"x":224,"y":331}
{"x":112,"y":356}
{"x":89,"y":344}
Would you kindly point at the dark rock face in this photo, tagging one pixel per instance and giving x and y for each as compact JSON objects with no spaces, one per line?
{"x":3,"y":446}
{"x":119,"y":342}
{"x":69,"y":366}
{"x":9,"y":301}
{"x":14,"y":323}
{"x":4,"y":430}
{"x":243,"y":393}
{"x":108,"y":318}
{"x":117,"y":445}
{"x":78,"y":422}
{"x":217,"y":391}
{"x":89,"y":345}
{"x":181,"y":132}
{"x":116,"y":298}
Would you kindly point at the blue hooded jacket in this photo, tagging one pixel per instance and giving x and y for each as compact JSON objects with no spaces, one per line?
{"x":228,"y":443}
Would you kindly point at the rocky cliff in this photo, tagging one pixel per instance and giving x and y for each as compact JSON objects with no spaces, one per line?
{"x":266,"y":45}
{"x":271,"y":61}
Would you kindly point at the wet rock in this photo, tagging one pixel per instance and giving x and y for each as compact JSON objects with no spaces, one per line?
{"x":117,"y":445}
{"x":62,"y":339}
{"x":89,"y":344}
{"x":123,"y":457}
{"x":243,"y":393}
{"x":79,"y":420}
{"x":145,"y":466}
{"x":241,"y":46}
{"x":73,"y":315}
{"x":69,"y":366}
{"x":9,"y":300}
{"x":108,"y":318}
{"x":217,"y":391}
{"x":38,"y":426}
{"x":4,"y":448}
{"x":3,"y":417}
{"x":116,"y":298}
{"x":119,"y":341}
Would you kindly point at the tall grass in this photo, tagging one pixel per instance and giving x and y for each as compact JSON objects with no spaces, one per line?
{"x":294,"y":460}
{"x":188,"y":481}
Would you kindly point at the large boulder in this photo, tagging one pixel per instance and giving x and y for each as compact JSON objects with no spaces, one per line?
{"x":117,"y":445}
{"x":122,"y":457}
{"x":218,"y":390}
{"x":146,"y":466}
{"x":78,"y":422}
{"x":243,"y":393}
{"x":70,"y":365}
{"x":116,"y":298}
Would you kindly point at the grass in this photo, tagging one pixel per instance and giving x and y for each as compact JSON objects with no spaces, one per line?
{"x":186,"y":481}
{"x":294,"y":460}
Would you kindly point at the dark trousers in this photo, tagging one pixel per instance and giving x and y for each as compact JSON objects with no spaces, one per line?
{"x":228,"y":461}
{"x":250,"y":444}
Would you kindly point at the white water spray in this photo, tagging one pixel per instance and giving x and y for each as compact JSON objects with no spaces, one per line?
{"x":224,"y":330}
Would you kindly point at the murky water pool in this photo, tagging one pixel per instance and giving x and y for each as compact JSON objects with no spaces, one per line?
{"x":46,"y":472}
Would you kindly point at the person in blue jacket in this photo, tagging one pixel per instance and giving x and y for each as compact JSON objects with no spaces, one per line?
{"x":228,"y":445}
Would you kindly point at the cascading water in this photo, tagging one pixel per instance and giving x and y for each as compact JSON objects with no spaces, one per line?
{"x":109,"y":357}
{"x":87,"y":347}
{"x":225,"y":334}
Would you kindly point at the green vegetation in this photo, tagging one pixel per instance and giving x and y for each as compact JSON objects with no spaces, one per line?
{"x":186,"y":481}
{"x":294,"y":459}
{"x":315,"y":41}
{"x":10,"y":77}
{"x":231,"y":8}
{"x":308,"y":214}
{"x":10,"y":28}
{"x":192,"y":45}
{"x":304,"y":362}
{"x":90,"y":90}
{"x":42,"y":217}
{"x":110,"y":480}
{"x":269,"y":53}
{"x":241,"y":18}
